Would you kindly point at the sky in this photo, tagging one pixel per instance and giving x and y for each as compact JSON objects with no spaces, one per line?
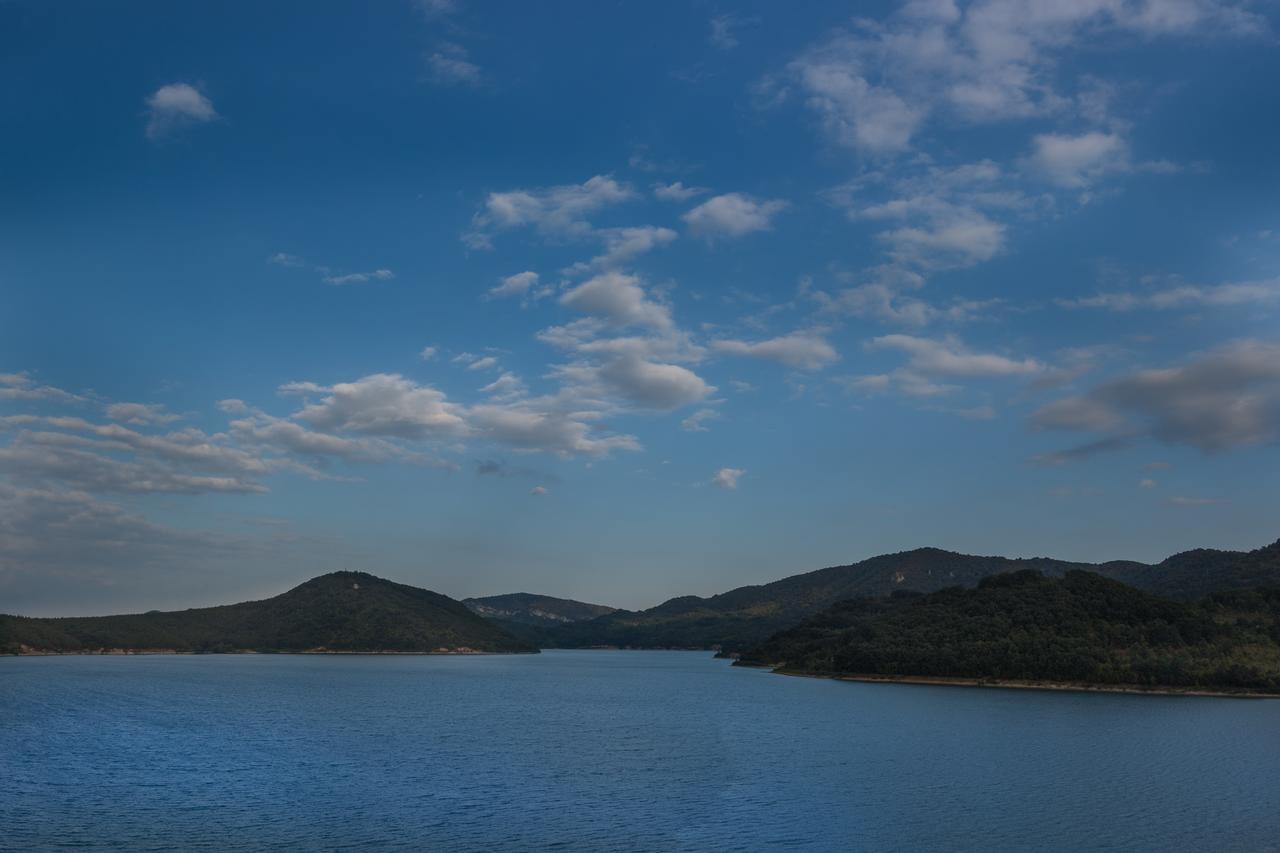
{"x":623,"y":301}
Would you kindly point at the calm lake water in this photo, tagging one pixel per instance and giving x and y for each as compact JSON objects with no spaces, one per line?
{"x":609,"y":751}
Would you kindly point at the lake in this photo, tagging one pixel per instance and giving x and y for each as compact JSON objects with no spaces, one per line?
{"x":609,"y":751}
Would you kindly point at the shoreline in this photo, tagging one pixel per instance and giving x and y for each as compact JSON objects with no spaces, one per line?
{"x":1021,"y":684}
{"x":119,"y":652}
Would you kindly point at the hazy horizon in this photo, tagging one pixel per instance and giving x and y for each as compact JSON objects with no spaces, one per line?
{"x":643,"y":301}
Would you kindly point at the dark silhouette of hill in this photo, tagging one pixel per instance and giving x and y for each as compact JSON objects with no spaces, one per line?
{"x":338,"y":612}
{"x":1080,"y":628}
{"x":746,"y":616}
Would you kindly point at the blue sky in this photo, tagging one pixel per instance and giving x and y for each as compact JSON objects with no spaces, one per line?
{"x":626,"y":301}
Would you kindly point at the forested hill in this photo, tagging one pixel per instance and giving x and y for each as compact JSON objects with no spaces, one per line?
{"x":1081,"y":628}
{"x":340,"y":612}
{"x":530,"y":609}
{"x":1194,"y":574}
{"x":745,"y":616}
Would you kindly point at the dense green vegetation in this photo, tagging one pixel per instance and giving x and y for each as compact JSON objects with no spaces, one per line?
{"x":743,"y":617}
{"x":1024,"y":626}
{"x":342,"y":611}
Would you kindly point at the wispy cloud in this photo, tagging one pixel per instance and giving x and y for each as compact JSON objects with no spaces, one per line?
{"x":176,"y":106}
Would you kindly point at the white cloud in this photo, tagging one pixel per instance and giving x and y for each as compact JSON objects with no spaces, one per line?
{"x":723,"y":27}
{"x":140,"y":413}
{"x":506,"y":387}
{"x":855,"y":112}
{"x":514,"y":285}
{"x":960,"y":240}
{"x":727,"y":478}
{"x":800,"y":350}
{"x":383,"y":404}
{"x":653,"y":385}
{"x":1236,"y":294}
{"x":619,"y":300}
{"x":484,"y":363}
{"x":624,"y":244}
{"x":21,"y":387}
{"x":263,"y":430}
{"x":450,"y":66}
{"x":359,"y":277}
{"x":524,"y":426}
{"x":540,"y":491}
{"x":697,"y":421}
{"x":876,"y":86}
{"x":732,"y":215}
{"x":176,"y":106}
{"x":1078,"y":161}
{"x":948,"y":358}
{"x":558,"y":211}
{"x":677,"y":192}
{"x":393,"y":407}
{"x":428,"y":353}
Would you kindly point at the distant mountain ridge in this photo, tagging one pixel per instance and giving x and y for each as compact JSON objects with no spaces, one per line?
{"x":747,"y":615}
{"x":530,"y":609}
{"x":352,"y":612}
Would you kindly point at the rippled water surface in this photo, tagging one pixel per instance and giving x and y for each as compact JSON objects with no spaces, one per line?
{"x":605,"y":751}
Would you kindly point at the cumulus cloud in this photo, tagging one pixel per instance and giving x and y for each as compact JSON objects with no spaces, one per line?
{"x":392,"y":407}
{"x":1221,"y":400}
{"x":540,"y":491}
{"x":653,"y":385}
{"x":176,"y":106}
{"x":876,"y":86}
{"x":559,"y":211}
{"x":799,"y":350}
{"x":382,"y":404}
{"x":1078,"y":161}
{"x":948,"y":358}
{"x":428,"y":353}
{"x":732,"y":215}
{"x":619,"y":300}
{"x":727,"y":478}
